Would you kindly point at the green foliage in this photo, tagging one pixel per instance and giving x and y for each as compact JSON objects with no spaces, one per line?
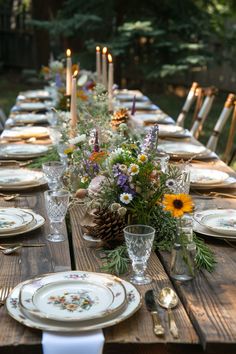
{"x":116,"y":261}
{"x":52,"y":155}
{"x":155,"y":40}
{"x":205,"y":257}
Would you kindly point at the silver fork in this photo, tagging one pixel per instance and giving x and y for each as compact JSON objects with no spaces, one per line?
{"x":4,"y":292}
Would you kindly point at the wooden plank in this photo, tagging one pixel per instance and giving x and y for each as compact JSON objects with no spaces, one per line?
{"x":29,"y":262}
{"x":138,"y":329}
{"x":210,"y":298}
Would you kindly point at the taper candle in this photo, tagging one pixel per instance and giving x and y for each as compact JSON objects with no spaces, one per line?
{"x":104,"y":66}
{"x":73,"y":104}
{"x":110,"y":81}
{"x":98,"y":64}
{"x":68,"y":72}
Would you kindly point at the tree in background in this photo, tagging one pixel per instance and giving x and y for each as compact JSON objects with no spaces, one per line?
{"x":151,"y":39}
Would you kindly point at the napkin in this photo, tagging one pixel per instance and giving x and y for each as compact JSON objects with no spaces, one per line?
{"x":73,"y":343}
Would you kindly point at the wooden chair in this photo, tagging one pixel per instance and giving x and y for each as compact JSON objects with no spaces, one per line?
{"x":2,"y":119}
{"x":187,"y":104}
{"x":209,"y":94}
{"x":225,"y":114}
{"x":228,"y":156}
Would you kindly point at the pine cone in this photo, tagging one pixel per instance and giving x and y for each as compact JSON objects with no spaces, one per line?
{"x":119,"y":117}
{"x":108,"y":227}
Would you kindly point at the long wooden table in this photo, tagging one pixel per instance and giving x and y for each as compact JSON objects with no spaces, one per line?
{"x":205,"y":316}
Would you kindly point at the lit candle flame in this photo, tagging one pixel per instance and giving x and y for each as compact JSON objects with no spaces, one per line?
{"x":75,"y":73}
{"x":109,"y":57}
{"x":104,"y":50}
{"x":68,"y":52}
{"x":98,"y":49}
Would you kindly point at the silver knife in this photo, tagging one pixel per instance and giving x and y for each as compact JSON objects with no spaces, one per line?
{"x":152,"y":307}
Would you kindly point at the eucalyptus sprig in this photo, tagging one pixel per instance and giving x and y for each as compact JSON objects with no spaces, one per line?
{"x":116,"y":261}
{"x":205,"y":258}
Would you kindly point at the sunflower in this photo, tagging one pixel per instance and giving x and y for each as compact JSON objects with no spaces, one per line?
{"x":178,"y":204}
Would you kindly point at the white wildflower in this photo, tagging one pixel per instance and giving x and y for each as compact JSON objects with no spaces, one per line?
{"x":142,"y":158}
{"x":126,"y":198}
{"x":78,"y":139}
{"x":133,"y":169}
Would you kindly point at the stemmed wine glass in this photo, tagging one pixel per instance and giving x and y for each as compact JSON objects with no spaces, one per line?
{"x":56,"y":202}
{"x":139,"y":240}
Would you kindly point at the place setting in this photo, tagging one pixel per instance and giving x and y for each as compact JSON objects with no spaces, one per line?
{"x":22,"y":151}
{"x":29,"y":118}
{"x":17,"y":179}
{"x":217,"y":223}
{"x":24,"y":133}
{"x":73,"y":301}
{"x":206,"y":179}
{"x":186,"y":150}
{"x":17,"y":221}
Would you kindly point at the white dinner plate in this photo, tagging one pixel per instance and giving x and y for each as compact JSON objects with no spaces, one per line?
{"x":90,"y":296}
{"x":34,"y":94}
{"x":19,"y":177}
{"x":184,"y":150}
{"x":15,"y":311}
{"x":207,"y":232}
{"x":14,"y":219}
{"x":144,"y":106}
{"x":30,"y":118}
{"x":22,"y":150}
{"x":25,"y":133}
{"x":31,"y":106}
{"x":206,"y":177}
{"x":160,"y":117}
{"x":37,"y":222}
{"x":129,"y":97}
{"x":218,"y":220}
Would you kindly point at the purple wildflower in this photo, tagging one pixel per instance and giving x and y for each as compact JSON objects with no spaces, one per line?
{"x":115,"y":170}
{"x":96,"y":143}
{"x":58,"y":80}
{"x":150,"y":142}
{"x":133,"y":109}
{"x":122,"y":179}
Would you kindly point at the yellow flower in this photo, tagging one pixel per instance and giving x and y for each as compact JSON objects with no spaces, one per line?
{"x":142,"y":158}
{"x":178,"y":204}
{"x":69,"y":150}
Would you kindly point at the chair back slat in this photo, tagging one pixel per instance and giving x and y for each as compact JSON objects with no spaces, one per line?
{"x":203,"y":113}
{"x":225,"y":113}
{"x":187,"y":104}
{"x":229,"y":146}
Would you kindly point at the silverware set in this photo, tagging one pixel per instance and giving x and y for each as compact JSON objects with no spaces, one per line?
{"x":8,"y":249}
{"x":168,"y":299}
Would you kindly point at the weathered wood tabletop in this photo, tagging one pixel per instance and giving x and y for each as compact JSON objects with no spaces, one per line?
{"x":206,"y":315}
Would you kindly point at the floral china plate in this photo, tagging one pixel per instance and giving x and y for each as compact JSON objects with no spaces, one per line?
{"x":13,"y":219}
{"x":80,"y":297}
{"x":222,"y":221}
{"x":37,"y":222}
{"x":15,"y":310}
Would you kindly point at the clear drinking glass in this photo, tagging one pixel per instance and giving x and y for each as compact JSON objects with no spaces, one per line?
{"x":163,"y":159}
{"x":139,"y":240}
{"x":53,"y":171}
{"x":56,"y":205}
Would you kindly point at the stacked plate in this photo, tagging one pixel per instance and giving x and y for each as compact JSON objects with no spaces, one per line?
{"x":19,"y":179}
{"x":16,"y":221}
{"x":184,"y":150}
{"x":18,"y":133}
{"x":172,"y":131}
{"x":30,"y":107}
{"x":220,"y":223}
{"x":146,"y":119}
{"x":73,"y":301}
{"x":33,"y":95}
{"x":140,"y":106}
{"x":22,"y":151}
{"x":27,"y":118}
{"x":204,"y":178}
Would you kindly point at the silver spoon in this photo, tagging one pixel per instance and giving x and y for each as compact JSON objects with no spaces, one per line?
{"x":11,"y":250}
{"x":168,"y":299}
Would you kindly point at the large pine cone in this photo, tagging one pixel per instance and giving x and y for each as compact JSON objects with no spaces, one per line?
{"x":108,"y":227}
{"x":121,"y":116}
